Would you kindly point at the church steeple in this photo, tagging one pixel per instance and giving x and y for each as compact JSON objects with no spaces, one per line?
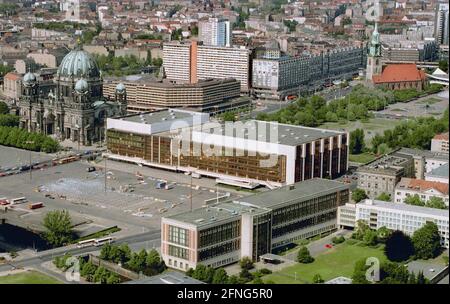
{"x":374,"y":65}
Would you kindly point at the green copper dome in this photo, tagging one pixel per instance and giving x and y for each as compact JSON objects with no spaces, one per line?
{"x":29,"y":78}
{"x":78,"y":64}
{"x":81,"y":86}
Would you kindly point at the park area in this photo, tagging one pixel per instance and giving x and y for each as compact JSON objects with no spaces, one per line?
{"x":28,"y":277}
{"x":337,"y":261}
{"x":370,"y":127}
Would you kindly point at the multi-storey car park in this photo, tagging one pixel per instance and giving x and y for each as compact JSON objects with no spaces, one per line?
{"x":252,"y":226}
{"x":243,"y":154}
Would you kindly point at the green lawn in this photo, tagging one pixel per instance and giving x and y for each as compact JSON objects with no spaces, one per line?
{"x":371,"y":127}
{"x":29,"y":277}
{"x":361,"y":158}
{"x":338,"y":261}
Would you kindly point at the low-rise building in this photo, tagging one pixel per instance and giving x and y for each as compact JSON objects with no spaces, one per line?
{"x":145,"y":94}
{"x":424,"y":189}
{"x":381,"y":175}
{"x":404,"y":217}
{"x":439,"y":174}
{"x":252,"y":226}
{"x":12,"y":85}
{"x":250,"y":154}
{"x":439,"y":143}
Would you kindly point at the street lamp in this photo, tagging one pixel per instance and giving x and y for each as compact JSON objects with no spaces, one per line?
{"x":30,"y":142}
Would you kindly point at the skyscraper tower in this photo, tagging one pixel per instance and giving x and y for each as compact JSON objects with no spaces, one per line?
{"x":441,"y":25}
{"x":374,"y":66}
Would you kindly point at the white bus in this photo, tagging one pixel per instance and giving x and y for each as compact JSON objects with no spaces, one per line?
{"x":18,"y":200}
{"x":105,"y":240}
{"x":86,"y":243}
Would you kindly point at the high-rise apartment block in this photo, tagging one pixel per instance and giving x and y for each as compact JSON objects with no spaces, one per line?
{"x":192,"y":61}
{"x":215,"y":32}
{"x":441,"y":26}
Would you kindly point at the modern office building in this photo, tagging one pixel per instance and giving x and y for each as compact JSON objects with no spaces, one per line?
{"x":188,"y":62}
{"x":222,"y":234}
{"x":409,"y":51}
{"x":439,"y":143}
{"x":245,"y":154}
{"x":441,"y":23}
{"x":424,"y":189}
{"x":215,"y":32}
{"x":382,"y":174}
{"x":210,"y":95}
{"x":407,"y":218}
{"x":285,"y":75}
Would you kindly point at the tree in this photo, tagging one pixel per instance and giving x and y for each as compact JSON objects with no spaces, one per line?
{"x":8,"y":120}
{"x":220,"y":276}
{"x":421,"y":278}
{"x":443,"y":65}
{"x":304,"y":256}
{"x":414,"y":200}
{"x":154,"y":263}
{"x":359,"y":272}
{"x":101,"y":275}
{"x":370,"y":237}
{"x":209,"y":275}
{"x":398,"y":247}
{"x":113,"y":279}
{"x":233,"y":279}
{"x":245,"y":275}
{"x":318,"y":279}
{"x":228,"y":116}
{"x":384,"y":197}
{"x":88,"y":271}
{"x":246,"y":263}
{"x":138,"y":260}
{"x":383,"y":234}
{"x":361,"y":229}
{"x":257,"y":281}
{"x":436,"y":202}
{"x":394,"y":273}
{"x":357,"y":143}
{"x":58,"y":225}
{"x":358,"y":195}
{"x":426,"y":241}
{"x":200,"y":273}
{"x":3,"y":108}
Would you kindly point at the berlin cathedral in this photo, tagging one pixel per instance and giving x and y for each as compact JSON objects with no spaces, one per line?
{"x":74,"y":108}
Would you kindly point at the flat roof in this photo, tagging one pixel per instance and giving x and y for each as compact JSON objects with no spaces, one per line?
{"x":405,"y":207}
{"x":284,"y":134}
{"x":258,"y":203}
{"x":441,"y":171}
{"x":149,"y":81}
{"x":425,"y":153}
{"x":172,"y":277}
{"x":299,"y":191}
{"x":158,"y":116}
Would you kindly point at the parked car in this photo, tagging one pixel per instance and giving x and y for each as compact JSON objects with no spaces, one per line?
{"x":91,"y":169}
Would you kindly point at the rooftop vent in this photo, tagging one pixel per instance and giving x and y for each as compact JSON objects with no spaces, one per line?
{"x":291,"y":187}
{"x":199,"y":220}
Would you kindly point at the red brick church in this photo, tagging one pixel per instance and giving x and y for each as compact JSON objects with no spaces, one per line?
{"x":401,"y":76}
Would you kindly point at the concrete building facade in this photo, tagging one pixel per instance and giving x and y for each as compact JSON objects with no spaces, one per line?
{"x":252,"y":226}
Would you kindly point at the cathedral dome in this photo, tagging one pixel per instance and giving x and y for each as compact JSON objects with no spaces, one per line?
{"x":78,"y":63}
{"x":120,"y":88}
{"x":29,"y":78}
{"x":81,"y":86}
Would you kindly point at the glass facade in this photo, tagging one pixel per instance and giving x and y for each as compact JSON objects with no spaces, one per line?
{"x":262,"y":235}
{"x":219,"y":240}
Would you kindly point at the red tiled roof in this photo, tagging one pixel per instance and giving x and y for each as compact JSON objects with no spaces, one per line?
{"x":423,"y":185}
{"x":399,"y":73}
{"x":442,"y":136}
{"x":13,"y":76}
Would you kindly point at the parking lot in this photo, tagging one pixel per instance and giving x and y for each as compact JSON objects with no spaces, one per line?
{"x":13,"y":157}
{"x":130,"y":201}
